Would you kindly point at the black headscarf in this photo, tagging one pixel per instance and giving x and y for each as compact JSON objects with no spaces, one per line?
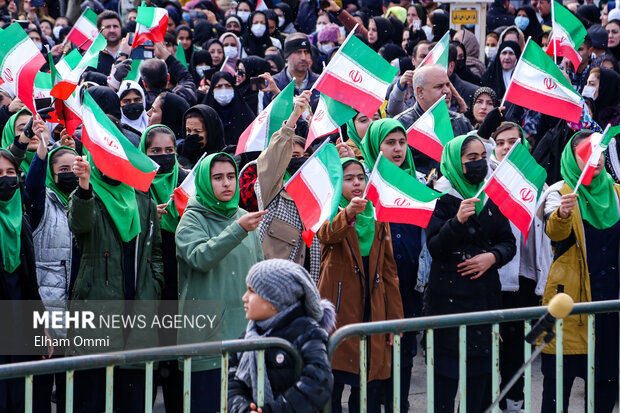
{"x":590,"y":14}
{"x":494,"y":76}
{"x":384,"y":33}
{"x":188,"y":52}
{"x":278,"y":60}
{"x":397,"y":30}
{"x":254,"y":66}
{"x":391,"y":51}
{"x":533,"y":29}
{"x":441,"y":24}
{"x":215,"y":133}
{"x":203,"y":31}
{"x":255,"y":46}
{"x":199,"y":57}
{"x":172,"y":109}
{"x":608,"y":97}
{"x":107,"y":99}
{"x":236,"y":116}
{"x":288,"y":13}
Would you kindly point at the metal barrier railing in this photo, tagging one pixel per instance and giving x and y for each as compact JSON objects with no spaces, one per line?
{"x":429,"y":324}
{"x":149,"y":357}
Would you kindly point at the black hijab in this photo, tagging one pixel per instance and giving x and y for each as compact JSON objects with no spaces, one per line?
{"x":215,"y":133}
{"x":256,"y":46}
{"x":236,"y":116}
{"x":278,"y":60}
{"x":188,"y":52}
{"x":203,"y":31}
{"x":391,"y":51}
{"x":172,"y":109}
{"x":288,"y":13}
{"x":384,"y":33}
{"x":533,"y":29}
{"x":590,"y":14}
{"x":254,"y":66}
{"x":397,"y":30}
{"x":608,"y":97}
{"x":199,"y":57}
{"x":494,"y":76}
{"x":441,"y":24}
{"x":107,"y":99}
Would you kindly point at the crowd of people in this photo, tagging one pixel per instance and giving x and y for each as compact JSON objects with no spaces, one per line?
{"x":70,"y":232}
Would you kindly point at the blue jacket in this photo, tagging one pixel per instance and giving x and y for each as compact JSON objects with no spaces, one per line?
{"x":282,"y":81}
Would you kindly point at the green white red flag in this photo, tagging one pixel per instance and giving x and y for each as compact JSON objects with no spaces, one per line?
{"x":538,"y":84}
{"x":567,"y":35}
{"x":84,"y":30}
{"x":316,"y":189}
{"x":590,"y":150}
{"x":398,"y":197}
{"x":357,"y":76}
{"x":260,"y":5}
{"x":256,"y":136}
{"x":151,"y":24}
{"x":20,"y":61}
{"x":187,"y":189}
{"x":516,"y":185}
{"x":328,"y":117}
{"x":70,"y":68}
{"x":432,"y":130}
{"x":439,"y":53}
{"x":112,"y":152}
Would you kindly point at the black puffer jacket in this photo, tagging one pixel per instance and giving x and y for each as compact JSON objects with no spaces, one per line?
{"x":291,"y":394}
{"x":449,"y":243}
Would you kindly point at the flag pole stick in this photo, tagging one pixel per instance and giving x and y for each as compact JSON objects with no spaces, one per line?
{"x":374,"y":168}
{"x":486,"y":182}
{"x":553,"y":33}
{"x":192,"y":172}
{"x":514,"y":71}
{"x":585,"y":167}
{"x":341,"y":46}
{"x":224,"y":63}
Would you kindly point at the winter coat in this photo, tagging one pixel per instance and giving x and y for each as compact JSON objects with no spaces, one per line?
{"x":570,"y":267}
{"x":450,"y":243}
{"x":101,"y":275}
{"x":307,"y":394}
{"x":342,"y":281}
{"x":282,"y":81}
{"x":214,"y":254}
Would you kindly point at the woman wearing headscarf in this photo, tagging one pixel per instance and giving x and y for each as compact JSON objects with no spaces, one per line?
{"x":233,"y":111}
{"x":216,"y":244}
{"x":168,"y":110}
{"x":514,"y":34}
{"x":379,"y":32}
{"x":203,"y":31}
{"x":359,"y":275}
{"x":203,"y":133}
{"x":110,"y":102}
{"x":472,"y":50}
{"x":132,"y":100}
{"x":285,"y":22}
{"x":483,"y":101}
{"x":23,"y":147}
{"x":468,"y":239}
{"x":232,"y":48}
{"x":201,"y":63}
{"x":252,"y":66}
{"x":604,"y":87}
{"x":389,"y":136}
{"x":216,"y":50}
{"x":276,"y":63}
{"x":527,"y":22}
{"x":272,"y":26}
{"x":585,"y":231}
{"x":499,"y":73}
{"x":613,"y":34}
{"x":440,"y":23}
{"x":355,"y":129}
{"x":256,"y":38}
{"x":185,"y":36}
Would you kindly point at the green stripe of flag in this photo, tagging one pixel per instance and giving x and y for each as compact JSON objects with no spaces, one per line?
{"x":12,"y":37}
{"x":527,"y":166}
{"x":401,"y":181}
{"x":571,"y":24}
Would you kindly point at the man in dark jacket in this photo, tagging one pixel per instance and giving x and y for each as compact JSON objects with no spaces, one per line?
{"x":111,"y":24}
{"x":429,"y":84}
{"x":498,"y":16}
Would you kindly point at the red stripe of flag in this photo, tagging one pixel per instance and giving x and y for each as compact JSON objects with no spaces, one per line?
{"x":425,"y":144}
{"x":531,"y":99}
{"x":348,"y":94}
{"x":507,"y":204}
{"x":420,"y":217}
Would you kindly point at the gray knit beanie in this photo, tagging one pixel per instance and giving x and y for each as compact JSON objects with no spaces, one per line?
{"x":284,"y":283}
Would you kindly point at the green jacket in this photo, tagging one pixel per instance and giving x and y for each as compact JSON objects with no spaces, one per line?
{"x":100,"y":275}
{"x":214,"y":255}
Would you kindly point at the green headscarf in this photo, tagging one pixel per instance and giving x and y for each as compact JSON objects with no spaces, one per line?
{"x":452,"y":168}
{"x":597,"y":201}
{"x":364,"y":222}
{"x":120,"y":202}
{"x":204,"y":190}
{"x":375,"y":135}
{"x":11,"y":228}
{"x":8,"y":136}
{"x":163,"y":185}
{"x":352,"y":132}
{"x":49,"y":178}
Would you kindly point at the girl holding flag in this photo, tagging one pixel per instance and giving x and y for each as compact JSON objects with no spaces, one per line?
{"x":469,"y":239}
{"x":585,"y":230}
{"x":358,"y":274}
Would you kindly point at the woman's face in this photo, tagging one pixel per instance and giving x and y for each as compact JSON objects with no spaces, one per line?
{"x":222,"y":84}
{"x":613,"y":32}
{"x":362,"y":122}
{"x":20,"y":124}
{"x":233,"y":26}
{"x":372,"y":31}
{"x":482,"y":106}
{"x":155,"y":113}
{"x":354,"y":181}
{"x":508,"y":59}
{"x":473,"y":152}
{"x":46,"y":28}
{"x":217,"y":53}
{"x":185,"y":39}
{"x":36,"y":37}
{"x":511,"y":36}
{"x":161,"y":144}
{"x":244,"y":7}
{"x":273,"y":68}
{"x":322,"y":19}
{"x":593,"y":80}
{"x":599,"y":167}
{"x":196,"y":126}
{"x":240,"y":73}
{"x":491,"y":41}
{"x":607,"y":64}
{"x":412,"y":14}
{"x":394,"y":147}
{"x":522,"y":13}
{"x":405,"y":38}
{"x":62,"y":164}
{"x":298,"y":151}
{"x":229,"y":41}
{"x":259,"y":19}
{"x":7,"y":168}
{"x":504,"y":141}
{"x":223,"y":181}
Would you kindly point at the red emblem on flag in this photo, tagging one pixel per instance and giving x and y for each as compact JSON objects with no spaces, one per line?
{"x":319,"y":115}
{"x":8,"y":75}
{"x":262,"y":117}
{"x":527,"y":195}
{"x":401,"y":202}
{"x":355,"y":76}
{"x":550,"y":83}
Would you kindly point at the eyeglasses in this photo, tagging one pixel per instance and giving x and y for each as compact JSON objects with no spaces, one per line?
{"x":241,"y":72}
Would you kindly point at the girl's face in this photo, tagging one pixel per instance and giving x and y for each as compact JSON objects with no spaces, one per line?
{"x":7,"y":168}
{"x":62,"y":164}
{"x":473,"y":152}
{"x":613,"y":32}
{"x":217,"y":53}
{"x":298,"y":151}
{"x":244,"y":7}
{"x":46,"y":28}
{"x":508,"y":59}
{"x":362,"y":122}
{"x":240,"y":73}
{"x":412,"y":14}
{"x":373,"y":35}
{"x":354,"y":181}
{"x":504,"y":141}
{"x":223,"y":181}
{"x":20,"y":124}
{"x":256,"y":307}
{"x":394,"y":147}
{"x":155,"y":113}
{"x":593,"y":80}
{"x":185,"y":39}
{"x":482,"y":106}
{"x":161,"y":144}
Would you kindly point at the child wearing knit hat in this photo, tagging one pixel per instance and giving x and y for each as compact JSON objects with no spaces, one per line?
{"x":282,"y":301}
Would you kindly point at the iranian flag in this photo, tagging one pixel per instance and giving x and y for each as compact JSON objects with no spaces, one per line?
{"x":42,"y":85}
{"x":516,"y":185}
{"x":357,"y":77}
{"x":151,"y":24}
{"x":112,"y":152}
{"x":134,"y":73}
{"x":186,"y":190}
{"x":70,"y":68}
{"x":398,"y":197}
{"x":432,"y":130}
{"x":538,"y":84}
{"x":20,"y":61}
{"x":567,"y":35}
{"x":69,"y":111}
{"x":260,"y":5}
{"x":316,"y":189}
{"x":328,"y":117}
{"x":438,"y":54}
{"x":256,"y":136}
{"x":84,"y":30}
{"x":590,"y":150}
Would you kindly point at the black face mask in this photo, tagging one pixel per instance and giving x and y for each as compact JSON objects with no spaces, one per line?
{"x":165,"y":162}
{"x":476,"y":171}
{"x":458,"y":67}
{"x":8,"y":186}
{"x":109,"y":180}
{"x":133,"y":110}
{"x":67,"y":182}
{"x":193,"y":146}
{"x":295,"y":164}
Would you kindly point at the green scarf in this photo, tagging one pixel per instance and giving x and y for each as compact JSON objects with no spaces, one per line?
{"x":120,"y":202}
{"x":8,"y":136}
{"x":11,"y":228}
{"x":204,"y":190}
{"x":352,"y":132}
{"x":49,"y":178}
{"x":452,"y":168}
{"x":364,"y":222}
{"x":597,"y":201}
{"x":375,"y":135}
{"x":162,"y":187}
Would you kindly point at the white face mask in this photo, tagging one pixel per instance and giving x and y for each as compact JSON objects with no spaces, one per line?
{"x":224,"y":96}
{"x":588,"y":92}
{"x":258,"y":29}
{"x":39,"y":45}
{"x":244,"y":15}
{"x":490,"y":51}
{"x":56,"y":31}
{"x":230,"y":52}
{"x":281,"y":21}
{"x":319,"y":26}
{"x":325,"y":48}
{"x":201,"y":70}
